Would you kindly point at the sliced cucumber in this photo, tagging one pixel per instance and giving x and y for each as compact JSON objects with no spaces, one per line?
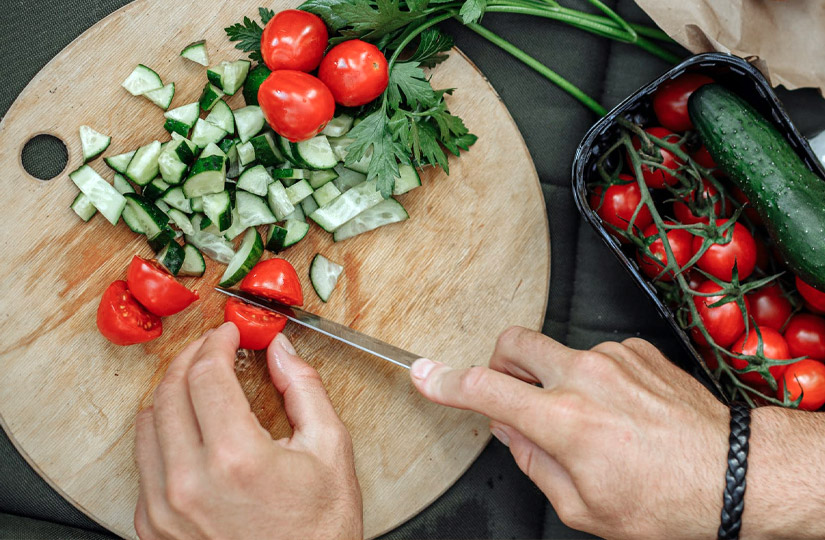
{"x":291,"y":174}
{"x":212,"y":149}
{"x":217,"y":207}
{"x":255,"y":180}
{"x":286,"y":150}
{"x":324,"y":274}
{"x":298,"y":191}
{"x":266,"y":151}
{"x":214,"y":246}
{"x":143,"y":216}
{"x":171,"y":168}
{"x":101,"y":193}
{"x":93,"y":143}
{"x":84,"y":208}
{"x":181,"y":119}
{"x":193,"y":263}
{"x":296,"y":230}
{"x":325,"y":194}
{"x":347,"y":178}
{"x":172,"y":257}
{"x":120,"y":162}
{"x":236,"y":229}
{"x":162,"y":97}
{"x":407,"y":181}
{"x":279,"y":201}
{"x":253,"y":210}
{"x":247,"y":256}
{"x":338,"y":126}
{"x":122,"y":185}
{"x":246,"y":153}
{"x":383,"y":213}
{"x":162,"y":206}
{"x":205,"y":133}
{"x":155,"y":189}
{"x":143,"y":168}
{"x":316,"y":153}
{"x":347,"y":206}
{"x":196,"y":52}
{"x":211,"y":94}
{"x":309,"y":205}
{"x":319,"y":178}
{"x":339,"y":146}
{"x":142,"y":80}
{"x":180,"y":220}
{"x":175,"y":198}
{"x":222,"y":116}
{"x":208,"y":175}
{"x":195,"y":202}
{"x":249,"y":121}
{"x":275,"y":236}
{"x":234,"y":75}
{"x":297,"y":215}
{"x":161,"y":239}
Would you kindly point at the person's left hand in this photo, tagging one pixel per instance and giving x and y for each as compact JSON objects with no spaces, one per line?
{"x":209,"y":470}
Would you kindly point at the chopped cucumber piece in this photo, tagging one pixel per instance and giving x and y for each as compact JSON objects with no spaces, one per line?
{"x":120,"y":162}
{"x":266,"y":152}
{"x":253,"y":210}
{"x":214,"y":246}
{"x":291,"y":174}
{"x":347,"y":178}
{"x":161,"y":240}
{"x":297,"y":215}
{"x":173,"y":127}
{"x":319,"y":178}
{"x":383,"y":213}
{"x":338,"y":126}
{"x":339,"y":146}
{"x":196,"y":52}
{"x":143,"y":168}
{"x":309,"y":205}
{"x":181,"y":119}
{"x":155,"y":189}
{"x":208,"y":175}
{"x":254,"y":79}
{"x":296,"y":230}
{"x":122,"y":185}
{"x":172,"y":257}
{"x":248,"y":255}
{"x":286,"y":150}
{"x":162,"y":206}
{"x":279,"y":201}
{"x":211,"y":94}
{"x":93,"y":143}
{"x":246,"y":153}
{"x":162,"y":97}
{"x":249,"y":121}
{"x":205,"y":133}
{"x":215,"y":75}
{"x":407,"y":181}
{"x":180,"y":219}
{"x":324,"y":274}
{"x":195,"y":202}
{"x":142,"y":80}
{"x":236,"y":229}
{"x":363,"y":164}
{"x":171,"y":168}
{"x":255,"y":180}
{"x":347,"y":206}
{"x":101,"y":193}
{"x":212,"y":149}
{"x":325,"y":194}
{"x":84,"y":208}
{"x":193,"y":263}
{"x":218,"y":209}
{"x":222,"y":116}
{"x":143,"y":216}
{"x":175,"y":198}
{"x":298,"y":191}
{"x":233,"y":75}
{"x":275,"y":236}
{"x":316,"y":152}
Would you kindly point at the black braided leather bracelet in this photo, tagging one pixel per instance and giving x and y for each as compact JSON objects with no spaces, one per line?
{"x":734,"y":497}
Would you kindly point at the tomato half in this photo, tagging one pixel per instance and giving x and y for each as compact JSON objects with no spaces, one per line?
{"x":122,"y":320}
{"x":294,"y":39}
{"x":774,"y":347}
{"x":670,"y":100}
{"x":257,"y":327}
{"x":813,"y":297}
{"x":655,"y":177}
{"x":274,"y":278}
{"x":296,"y":104}
{"x":619,"y":203}
{"x":720,"y":257}
{"x":724,"y":323}
{"x":769,"y":307}
{"x":681,"y":243}
{"x":156,"y":289}
{"x":806,"y":377}
{"x":355,"y":71}
{"x":805,"y":335}
{"x":709,"y":201}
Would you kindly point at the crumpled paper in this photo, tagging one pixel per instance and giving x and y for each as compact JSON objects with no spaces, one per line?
{"x":783,"y":39}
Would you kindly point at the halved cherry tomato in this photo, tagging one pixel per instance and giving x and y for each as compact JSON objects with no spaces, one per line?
{"x":656,"y":177}
{"x":814,"y":298}
{"x":709,"y":199}
{"x":724,"y":323}
{"x":670,"y":100}
{"x":275,"y":278}
{"x":619,"y":203}
{"x":294,"y":39}
{"x":769,"y":307}
{"x":156,"y":289}
{"x":720,"y":257}
{"x":805,"y":335}
{"x":806,"y":377}
{"x":122,"y":320}
{"x":296,"y":104}
{"x":257,"y":327}
{"x":681,"y":243}
{"x":774,"y":347}
{"x":355,"y":71}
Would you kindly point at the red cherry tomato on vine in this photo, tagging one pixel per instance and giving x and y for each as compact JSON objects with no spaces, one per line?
{"x":724,"y":323}
{"x":813,"y":297}
{"x":276,"y":279}
{"x":257,"y":327}
{"x":122,"y":320}
{"x":805,"y":335}
{"x":740,"y":197}
{"x":355,"y":71}
{"x":686,"y":216}
{"x":806,"y":378}
{"x":156,"y":289}
{"x":720,"y":257}
{"x":619,"y":203}
{"x":703,"y":158}
{"x":774,"y":347}
{"x":681,"y":243}
{"x":296,"y":104}
{"x":656,"y":177}
{"x":670,"y":100}
{"x":769,"y":307}
{"x":294,"y":39}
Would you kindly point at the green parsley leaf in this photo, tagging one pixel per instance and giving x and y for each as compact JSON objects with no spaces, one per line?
{"x":472,"y":10}
{"x":266,"y":14}
{"x":248,"y":35}
{"x":371,"y":20}
{"x":324,"y":9}
{"x":409,"y":79}
{"x":373,"y":133}
{"x":432,"y":45}
{"x":456,"y":144}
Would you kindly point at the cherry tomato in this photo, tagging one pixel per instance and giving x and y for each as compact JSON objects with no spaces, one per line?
{"x":296,"y":104}
{"x":294,"y":39}
{"x":813,"y":297}
{"x":355,"y":71}
{"x":724,"y":323}
{"x":719,"y":258}
{"x":156,"y":289}
{"x":122,"y":320}
{"x":670,"y":100}
{"x":806,"y":377}
{"x":805,"y":335}
{"x":686,"y":216}
{"x":774,"y":347}
{"x":680,"y":242}
{"x":656,"y":177}
{"x":694,"y":279}
{"x":763,"y":256}
{"x":769,"y":307}
{"x":276,"y":279}
{"x":257,"y":327}
{"x":619,"y":203}
{"x":709,"y":357}
{"x":703,"y":158}
{"x":750,"y":211}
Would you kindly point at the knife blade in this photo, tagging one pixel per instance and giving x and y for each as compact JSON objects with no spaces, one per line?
{"x":342,"y":333}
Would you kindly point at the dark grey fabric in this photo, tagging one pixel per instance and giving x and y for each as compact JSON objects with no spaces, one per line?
{"x":591,"y":297}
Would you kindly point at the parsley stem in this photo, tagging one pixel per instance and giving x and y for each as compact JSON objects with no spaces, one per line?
{"x":561,"y":15}
{"x":411,"y":36}
{"x":543,"y":70}
{"x":598,"y":4}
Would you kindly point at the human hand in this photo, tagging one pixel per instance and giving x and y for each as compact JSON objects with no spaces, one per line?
{"x":209,"y":470}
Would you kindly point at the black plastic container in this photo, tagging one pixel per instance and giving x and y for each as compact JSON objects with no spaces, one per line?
{"x":737,"y":75}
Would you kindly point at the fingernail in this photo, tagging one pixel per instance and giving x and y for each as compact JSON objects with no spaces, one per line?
{"x":421,"y":368}
{"x":501,"y":435}
{"x":285,"y":344}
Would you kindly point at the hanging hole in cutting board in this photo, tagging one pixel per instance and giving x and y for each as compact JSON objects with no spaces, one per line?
{"x":44,"y":156}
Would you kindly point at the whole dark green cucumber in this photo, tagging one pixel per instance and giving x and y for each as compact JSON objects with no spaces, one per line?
{"x":788,"y":196}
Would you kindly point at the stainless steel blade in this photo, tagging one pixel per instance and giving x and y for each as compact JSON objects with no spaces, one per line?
{"x":351,"y":337}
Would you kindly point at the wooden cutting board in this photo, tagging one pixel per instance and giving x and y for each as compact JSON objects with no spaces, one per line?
{"x":472,"y":260}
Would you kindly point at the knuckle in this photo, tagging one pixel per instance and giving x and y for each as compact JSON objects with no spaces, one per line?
{"x":609,"y":348}
{"x":203,"y":367}
{"x":597,"y":365}
{"x":568,"y":407}
{"x":182,"y":491}
{"x":159,"y":521}
{"x":231,"y":462}
{"x":571,"y":515}
{"x":512,"y":337}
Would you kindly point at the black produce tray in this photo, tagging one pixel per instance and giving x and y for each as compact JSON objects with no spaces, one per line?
{"x":737,"y":75}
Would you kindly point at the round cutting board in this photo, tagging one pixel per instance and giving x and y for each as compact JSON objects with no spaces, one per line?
{"x":472,"y":260}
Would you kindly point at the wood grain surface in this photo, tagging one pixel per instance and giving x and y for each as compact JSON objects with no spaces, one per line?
{"x":472,"y":260}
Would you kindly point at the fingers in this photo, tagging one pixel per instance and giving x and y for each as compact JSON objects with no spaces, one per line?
{"x":148,"y":457}
{"x":531,"y":356}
